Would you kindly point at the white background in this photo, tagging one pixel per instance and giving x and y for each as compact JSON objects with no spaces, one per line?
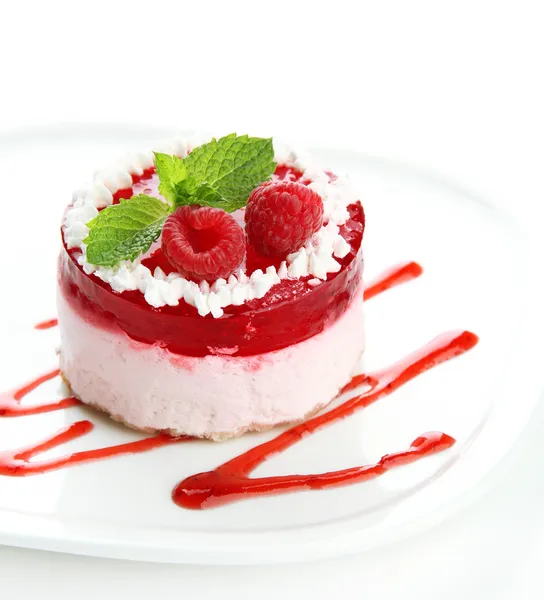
{"x":455,"y":86}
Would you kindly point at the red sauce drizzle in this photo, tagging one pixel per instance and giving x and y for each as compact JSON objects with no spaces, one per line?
{"x":10,"y":402}
{"x":393,"y":277}
{"x":17,"y":463}
{"x":47,"y":324}
{"x":230,"y":481}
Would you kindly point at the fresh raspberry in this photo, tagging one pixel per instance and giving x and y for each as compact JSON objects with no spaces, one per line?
{"x":203,"y":242}
{"x":281,"y":216}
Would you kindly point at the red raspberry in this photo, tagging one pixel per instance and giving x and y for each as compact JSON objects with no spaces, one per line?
{"x":203,"y":242}
{"x":281,"y":216}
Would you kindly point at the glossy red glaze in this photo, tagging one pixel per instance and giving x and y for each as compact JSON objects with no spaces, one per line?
{"x":291,"y":312}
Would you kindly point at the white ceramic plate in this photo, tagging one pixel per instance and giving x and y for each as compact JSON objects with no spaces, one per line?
{"x":477,"y":276}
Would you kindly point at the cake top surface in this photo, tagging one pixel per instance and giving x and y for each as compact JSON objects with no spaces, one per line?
{"x":126,"y":244}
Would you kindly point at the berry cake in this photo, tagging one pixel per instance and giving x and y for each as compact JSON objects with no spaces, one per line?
{"x":211,"y":289}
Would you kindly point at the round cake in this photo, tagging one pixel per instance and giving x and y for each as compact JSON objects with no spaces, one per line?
{"x":210,"y":289}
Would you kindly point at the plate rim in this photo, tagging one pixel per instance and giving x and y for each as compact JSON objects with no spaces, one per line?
{"x":14,"y":532}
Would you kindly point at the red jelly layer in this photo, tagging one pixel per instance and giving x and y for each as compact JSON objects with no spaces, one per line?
{"x":291,"y":312}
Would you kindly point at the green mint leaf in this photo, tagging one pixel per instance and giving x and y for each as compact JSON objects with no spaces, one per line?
{"x":171,"y":171}
{"x":125,"y":230}
{"x":233,"y":166}
{"x":185,"y":190}
{"x":189,"y":191}
{"x":204,"y":195}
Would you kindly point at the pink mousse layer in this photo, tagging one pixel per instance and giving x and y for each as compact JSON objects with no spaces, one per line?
{"x":218,"y":397}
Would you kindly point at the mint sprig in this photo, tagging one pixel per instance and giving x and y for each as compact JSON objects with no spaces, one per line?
{"x":221,"y":173}
{"x":171,"y":171}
